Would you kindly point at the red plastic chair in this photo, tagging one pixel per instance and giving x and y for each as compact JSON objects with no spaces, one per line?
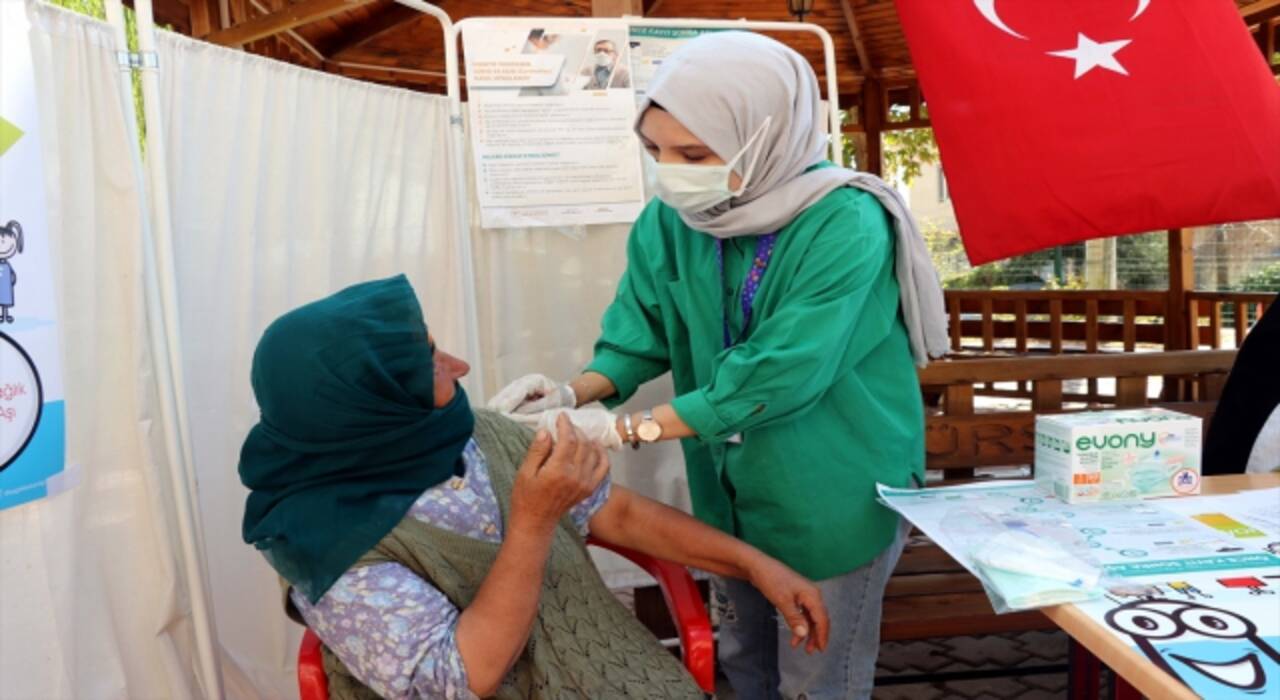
{"x":678,"y":589}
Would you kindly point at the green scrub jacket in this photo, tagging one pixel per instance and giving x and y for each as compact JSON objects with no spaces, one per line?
{"x":822,"y":389}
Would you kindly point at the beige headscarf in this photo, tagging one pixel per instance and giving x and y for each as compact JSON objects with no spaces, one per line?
{"x":722,"y":86}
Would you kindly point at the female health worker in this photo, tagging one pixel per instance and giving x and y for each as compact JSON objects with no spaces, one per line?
{"x":788,"y":307}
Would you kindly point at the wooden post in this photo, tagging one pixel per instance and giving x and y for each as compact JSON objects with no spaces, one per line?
{"x":1178,"y":316}
{"x":872,"y":123}
{"x":957,"y":333}
{"x":1182,"y":279}
{"x":1131,"y":392}
{"x":616,"y":8}
{"x":1268,"y":30}
{"x":204,"y":18}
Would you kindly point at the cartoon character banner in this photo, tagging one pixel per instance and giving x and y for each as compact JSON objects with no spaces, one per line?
{"x":32,"y":414}
{"x":1217,"y":631}
{"x":1192,"y":583}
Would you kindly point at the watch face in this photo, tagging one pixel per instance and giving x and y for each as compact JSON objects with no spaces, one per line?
{"x":649,"y":431}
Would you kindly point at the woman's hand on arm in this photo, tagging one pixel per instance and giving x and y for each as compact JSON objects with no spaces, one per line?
{"x":494,"y":628}
{"x":643,"y":524}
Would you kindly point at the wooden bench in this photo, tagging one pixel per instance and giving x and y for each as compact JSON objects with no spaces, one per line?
{"x":930,"y":595}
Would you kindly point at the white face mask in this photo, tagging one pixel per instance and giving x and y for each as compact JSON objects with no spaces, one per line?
{"x":604,"y":60}
{"x":696,"y":188}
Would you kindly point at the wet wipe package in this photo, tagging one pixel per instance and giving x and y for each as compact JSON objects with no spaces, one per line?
{"x":1118,"y":455}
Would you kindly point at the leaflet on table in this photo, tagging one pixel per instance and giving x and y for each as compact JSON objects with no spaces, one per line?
{"x":551,"y":111}
{"x":1216,"y":631}
{"x":1252,"y":518}
{"x":1124,"y":539}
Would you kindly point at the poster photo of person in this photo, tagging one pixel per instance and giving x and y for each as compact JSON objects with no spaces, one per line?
{"x":607,"y":65}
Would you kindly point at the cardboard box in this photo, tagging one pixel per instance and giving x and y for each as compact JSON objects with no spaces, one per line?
{"x":1118,"y":455}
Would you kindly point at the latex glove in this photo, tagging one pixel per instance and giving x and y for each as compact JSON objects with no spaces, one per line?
{"x":533,"y":393}
{"x":563,"y":396}
{"x":597,"y":424}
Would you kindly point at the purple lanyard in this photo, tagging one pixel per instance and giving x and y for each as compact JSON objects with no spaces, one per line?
{"x":764,"y":252}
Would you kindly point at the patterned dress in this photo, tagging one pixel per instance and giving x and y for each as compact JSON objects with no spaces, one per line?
{"x":393,"y":630}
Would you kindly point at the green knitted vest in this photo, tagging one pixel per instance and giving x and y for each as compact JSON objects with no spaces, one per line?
{"x":584,"y":643}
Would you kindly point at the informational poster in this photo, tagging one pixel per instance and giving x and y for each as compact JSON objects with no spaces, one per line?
{"x":650,"y":46}
{"x":1192,"y":584}
{"x":551,"y":110}
{"x":32,"y":416}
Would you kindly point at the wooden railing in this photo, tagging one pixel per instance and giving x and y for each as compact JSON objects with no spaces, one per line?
{"x":1245,"y":308}
{"x":1090,"y":321}
{"x":1045,"y":321}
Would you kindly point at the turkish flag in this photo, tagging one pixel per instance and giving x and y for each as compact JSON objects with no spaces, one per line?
{"x":1063,"y":120}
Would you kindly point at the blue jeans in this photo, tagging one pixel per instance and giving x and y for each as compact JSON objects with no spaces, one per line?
{"x":755,"y":651}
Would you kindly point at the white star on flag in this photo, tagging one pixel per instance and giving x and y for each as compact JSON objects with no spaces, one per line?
{"x":1089,"y":54}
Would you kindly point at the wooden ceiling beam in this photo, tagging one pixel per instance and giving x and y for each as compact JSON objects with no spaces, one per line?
{"x":204,"y":17}
{"x":387,"y":74}
{"x":851,"y":20}
{"x":1260,"y":11}
{"x":378,"y":24}
{"x":304,"y":53}
{"x":292,"y":16}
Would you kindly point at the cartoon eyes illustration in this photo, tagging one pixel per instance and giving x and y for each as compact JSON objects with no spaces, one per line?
{"x":1216,"y":623}
{"x":1141,"y":622}
{"x":1145,"y":619}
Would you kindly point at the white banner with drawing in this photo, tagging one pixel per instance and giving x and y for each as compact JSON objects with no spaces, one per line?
{"x":32,"y":415}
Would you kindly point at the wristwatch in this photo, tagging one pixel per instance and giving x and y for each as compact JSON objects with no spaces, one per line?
{"x":649,"y":429}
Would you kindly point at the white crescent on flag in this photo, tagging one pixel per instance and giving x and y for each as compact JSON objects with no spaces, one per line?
{"x":988,"y":10}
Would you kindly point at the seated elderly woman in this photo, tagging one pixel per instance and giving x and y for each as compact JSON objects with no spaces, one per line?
{"x":439,"y":552}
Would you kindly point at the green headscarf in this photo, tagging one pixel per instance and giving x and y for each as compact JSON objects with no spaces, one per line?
{"x":349,"y":435}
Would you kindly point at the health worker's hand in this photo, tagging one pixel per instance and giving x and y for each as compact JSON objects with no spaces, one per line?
{"x":533,"y":393}
{"x":597,"y":424}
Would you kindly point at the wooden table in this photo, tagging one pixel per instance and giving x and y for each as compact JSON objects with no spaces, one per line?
{"x":1128,"y":664}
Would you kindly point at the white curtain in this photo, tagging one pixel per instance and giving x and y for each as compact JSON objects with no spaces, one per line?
{"x":92,"y":601}
{"x":286,"y":185}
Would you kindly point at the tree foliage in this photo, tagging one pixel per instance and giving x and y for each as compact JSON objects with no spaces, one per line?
{"x":906,"y":152}
{"x":903,"y":153}
{"x":1266,"y":279}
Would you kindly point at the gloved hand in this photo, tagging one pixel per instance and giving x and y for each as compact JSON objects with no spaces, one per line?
{"x":533,"y":393}
{"x":597,"y":424}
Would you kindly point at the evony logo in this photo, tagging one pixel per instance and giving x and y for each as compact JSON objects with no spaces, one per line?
{"x":1116,"y":441}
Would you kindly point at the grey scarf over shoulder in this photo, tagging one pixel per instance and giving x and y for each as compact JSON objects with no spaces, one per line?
{"x":722,"y":86}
